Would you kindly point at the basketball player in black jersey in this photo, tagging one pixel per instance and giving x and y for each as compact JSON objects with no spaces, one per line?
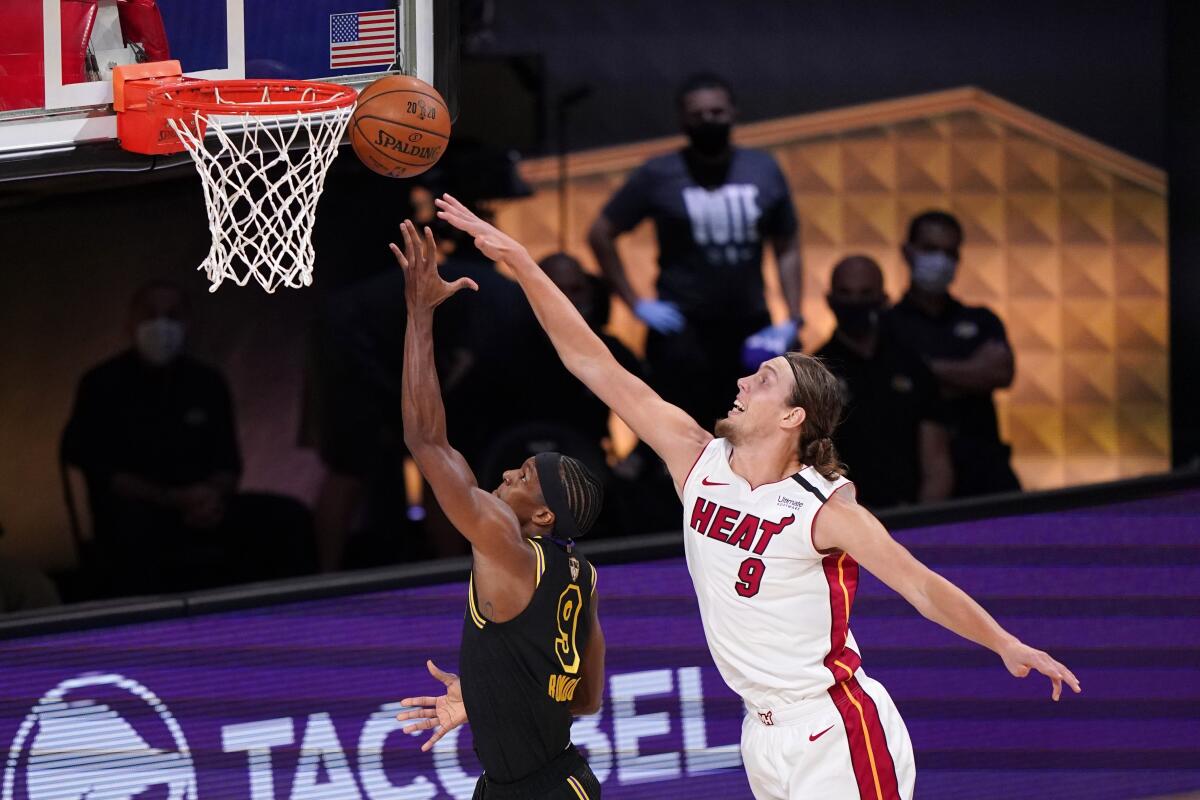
{"x":532,"y":651}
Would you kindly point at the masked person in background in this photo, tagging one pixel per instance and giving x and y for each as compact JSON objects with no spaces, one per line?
{"x":154,"y":433}
{"x":966,"y":349}
{"x":892,"y":436}
{"x":713,"y":206}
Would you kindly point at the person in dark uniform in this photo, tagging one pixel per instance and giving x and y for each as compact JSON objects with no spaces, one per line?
{"x":892,"y":435}
{"x":532,"y":650}
{"x":714,"y":208}
{"x":154,"y":433}
{"x":966,"y":349}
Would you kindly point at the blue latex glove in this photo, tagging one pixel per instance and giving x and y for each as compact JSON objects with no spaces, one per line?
{"x":771,"y":341}
{"x":660,"y":315}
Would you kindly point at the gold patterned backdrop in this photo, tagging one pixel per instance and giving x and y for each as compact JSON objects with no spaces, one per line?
{"x":1065,"y":240}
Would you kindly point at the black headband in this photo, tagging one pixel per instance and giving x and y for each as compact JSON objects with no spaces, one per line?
{"x":556,"y":497}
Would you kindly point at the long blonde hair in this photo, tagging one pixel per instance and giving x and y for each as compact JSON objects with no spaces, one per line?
{"x":818,"y":393}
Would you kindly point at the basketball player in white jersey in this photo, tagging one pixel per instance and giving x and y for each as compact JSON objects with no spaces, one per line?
{"x":774,"y":540}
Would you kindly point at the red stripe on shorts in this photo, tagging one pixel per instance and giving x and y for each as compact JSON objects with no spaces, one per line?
{"x":874,"y":770}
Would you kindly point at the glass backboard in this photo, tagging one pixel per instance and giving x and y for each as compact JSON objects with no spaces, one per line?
{"x":57,"y":56}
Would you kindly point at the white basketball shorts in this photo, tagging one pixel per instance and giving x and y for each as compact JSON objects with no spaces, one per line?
{"x":849,"y":744}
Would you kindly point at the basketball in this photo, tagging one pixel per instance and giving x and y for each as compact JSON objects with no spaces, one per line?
{"x":400,"y":127}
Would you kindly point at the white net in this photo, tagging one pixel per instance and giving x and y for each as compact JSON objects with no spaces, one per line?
{"x":262,"y":176}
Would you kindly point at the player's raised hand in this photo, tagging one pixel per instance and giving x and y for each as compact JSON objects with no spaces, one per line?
{"x":1021,"y":659}
{"x":423,"y":286}
{"x":441,"y":714}
{"x":491,"y":241}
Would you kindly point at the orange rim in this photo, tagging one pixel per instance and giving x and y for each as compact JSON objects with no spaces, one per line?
{"x":298,"y":97}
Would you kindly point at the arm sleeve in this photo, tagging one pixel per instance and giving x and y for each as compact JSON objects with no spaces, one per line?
{"x":632,"y":202}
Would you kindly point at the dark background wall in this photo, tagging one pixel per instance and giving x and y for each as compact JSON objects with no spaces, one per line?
{"x":1097,"y":67}
{"x":75,"y":250}
{"x":71,"y":259}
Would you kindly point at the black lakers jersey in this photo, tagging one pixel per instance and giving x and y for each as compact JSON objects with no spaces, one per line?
{"x":519,"y":677}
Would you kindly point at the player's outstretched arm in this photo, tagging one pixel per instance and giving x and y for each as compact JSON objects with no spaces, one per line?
{"x":845,"y":525}
{"x":484,"y":519}
{"x":672,"y":434}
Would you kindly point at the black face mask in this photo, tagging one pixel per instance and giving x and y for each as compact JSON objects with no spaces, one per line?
{"x":856,"y":318}
{"x":709,"y":138}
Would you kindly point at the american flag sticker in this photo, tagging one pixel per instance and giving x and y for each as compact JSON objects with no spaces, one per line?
{"x":362,"y":39}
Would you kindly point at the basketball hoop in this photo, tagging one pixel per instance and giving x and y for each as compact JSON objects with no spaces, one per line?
{"x":262,"y":149}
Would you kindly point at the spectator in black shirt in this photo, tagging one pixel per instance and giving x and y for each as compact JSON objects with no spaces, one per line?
{"x":966,"y":349}
{"x":713,"y":205}
{"x":892,"y":435}
{"x":153,"y":431}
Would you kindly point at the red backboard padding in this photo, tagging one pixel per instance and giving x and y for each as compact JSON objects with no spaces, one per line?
{"x":22,"y":83}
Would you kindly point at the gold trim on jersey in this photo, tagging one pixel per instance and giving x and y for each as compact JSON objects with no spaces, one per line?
{"x":866,"y":732}
{"x":574,"y":783}
{"x":594,"y":579}
{"x":541,"y":561}
{"x":476,"y":617}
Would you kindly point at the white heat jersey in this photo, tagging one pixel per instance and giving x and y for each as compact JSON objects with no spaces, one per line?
{"x":775,"y":611}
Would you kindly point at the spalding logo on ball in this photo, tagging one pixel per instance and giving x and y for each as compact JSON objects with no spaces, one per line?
{"x":400,"y":127}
